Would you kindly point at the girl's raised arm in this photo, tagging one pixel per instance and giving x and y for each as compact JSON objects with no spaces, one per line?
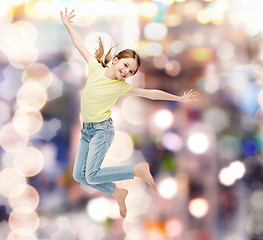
{"x":76,"y":39}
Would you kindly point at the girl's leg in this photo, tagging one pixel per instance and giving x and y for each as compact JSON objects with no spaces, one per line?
{"x":79,"y":170}
{"x":98,"y":148}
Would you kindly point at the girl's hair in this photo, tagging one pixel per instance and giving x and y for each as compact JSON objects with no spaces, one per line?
{"x":127,"y":53}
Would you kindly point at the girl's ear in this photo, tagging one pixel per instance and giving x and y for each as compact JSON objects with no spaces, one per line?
{"x":115,"y":60}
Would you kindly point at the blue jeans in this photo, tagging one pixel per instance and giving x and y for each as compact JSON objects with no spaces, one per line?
{"x":95,"y":141}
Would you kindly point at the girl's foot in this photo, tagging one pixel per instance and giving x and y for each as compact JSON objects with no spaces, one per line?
{"x":120,"y":194}
{"x":143,"y":170}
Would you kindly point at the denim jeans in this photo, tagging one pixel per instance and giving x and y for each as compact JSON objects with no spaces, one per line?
{"x":95,"y":141}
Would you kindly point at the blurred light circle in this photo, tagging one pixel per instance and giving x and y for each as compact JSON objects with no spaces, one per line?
{"x":225,"y":51}
{"x":203,"y":17}
{"x":163,"y":118}
{"x":172,"y":141}
{"x":24,"y":57}
{"x":198,"y":207}
{"x":172,"y":20}
{"x":24,"y":218}
{"x":27,"y":123}
{"x":177,"y":47}
{"x":30,"y":31}
{"x":121,"y":148}
{"x":29,"y":160}
{"x":238,"y":169}
{"x":155,"y":31}
{"x":160,"y":61}
{"x":98,"y":209}
{"x":198,"y":143}
{"x":28,"y":197}
{"x":6,"y":15}
{"x":217,"y":118}
{"x":148,"y":9}
{"x":114,"y":209}
{"x":166,"y":2}
{"x":173,"y":68}
{"x":201,"y":54}
{"x":38,"y":72}
{"x":91,"y":41}
{"x":31,"y":96}
{"x":167,"y":188}
{"x":9,"y":41}
{"x":256,"y":200}
{"x":21,"y":234}
{"x":10,"y":178}
{"x":174,"y":227}
{"x":229,"y":147}
{"x":93,"y":231}
{"x":133,"y":110}
{"x":153,"y":49}
{"x":5,"y":112}
{"x":39,"y":9}
{"x":226,"y":176}
{"x":249,"y":148}
{"x":233,"y":236}
{"x":10,"y":140}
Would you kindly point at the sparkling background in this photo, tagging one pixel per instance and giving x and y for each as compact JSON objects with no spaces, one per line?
{"x":206,"y":157}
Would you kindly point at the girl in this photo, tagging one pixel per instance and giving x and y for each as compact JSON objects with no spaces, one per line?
{"x":103,"y":88}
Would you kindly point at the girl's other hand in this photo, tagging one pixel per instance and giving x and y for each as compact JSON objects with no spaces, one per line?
{"x":190,"y":96}
{"x":67,"y":18}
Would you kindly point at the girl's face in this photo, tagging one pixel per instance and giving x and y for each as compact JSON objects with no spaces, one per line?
{"x":124,"y":67}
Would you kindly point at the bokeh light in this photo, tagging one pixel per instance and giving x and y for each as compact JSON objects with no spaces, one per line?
{"x":197,"y":150}
{"x":155,"y":31}
{"x":27,"y":123}
{"x":198,"y":143}
{"x":23,"y":196}
{"x":9,"y":179}
{"x":163,"y":118}
{"x":238,"y":169}
{"x":39,"y":9}
{"x":31,"y":96}
{"x":98,"y":209}
{"x":133,"y":110}
{"x":121,"y":148}
{"x":38,"y":72}
{"x":148,"y":9}
{"x":172,"y":141}
{"x":198,"y":207}
{"x":24,"y":218}
{"x":174,"y":227}
{"x":167,"y":188}
{"x":11,"y":140}
{"x":21,"y":234}
{"x":226,"y":176}
{"x":29,"y":160}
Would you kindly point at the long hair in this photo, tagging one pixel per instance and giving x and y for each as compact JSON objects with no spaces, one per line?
{"x":127,"y":53}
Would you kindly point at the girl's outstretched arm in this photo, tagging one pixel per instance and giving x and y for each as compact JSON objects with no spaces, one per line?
{"x":76,"y":39}
{"x":156,"y":94}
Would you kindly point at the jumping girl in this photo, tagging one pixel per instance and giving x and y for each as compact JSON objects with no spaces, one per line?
{"x":103,"y":88}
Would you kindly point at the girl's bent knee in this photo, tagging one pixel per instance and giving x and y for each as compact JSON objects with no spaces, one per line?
{"x":76,"y":177}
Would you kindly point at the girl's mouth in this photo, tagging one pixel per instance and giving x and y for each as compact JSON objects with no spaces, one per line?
{"x":122,"y":73}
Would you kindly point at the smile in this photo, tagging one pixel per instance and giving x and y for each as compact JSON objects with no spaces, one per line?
{"x":122,"y":73}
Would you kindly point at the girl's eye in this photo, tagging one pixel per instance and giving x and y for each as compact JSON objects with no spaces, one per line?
{"x":125,"y":65}
{"x":131,"y":72}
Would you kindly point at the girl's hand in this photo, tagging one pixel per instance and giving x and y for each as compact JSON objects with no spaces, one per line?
{"x":67,"y":18}
{"x":190,"y":96}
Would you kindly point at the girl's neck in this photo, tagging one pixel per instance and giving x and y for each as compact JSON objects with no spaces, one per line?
{"x":109,"y":73}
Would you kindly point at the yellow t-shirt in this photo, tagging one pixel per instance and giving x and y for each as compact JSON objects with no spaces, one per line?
{"x":100,"y":93}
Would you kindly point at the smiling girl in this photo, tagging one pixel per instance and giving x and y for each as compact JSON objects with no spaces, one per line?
{"x":103,"y":88}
